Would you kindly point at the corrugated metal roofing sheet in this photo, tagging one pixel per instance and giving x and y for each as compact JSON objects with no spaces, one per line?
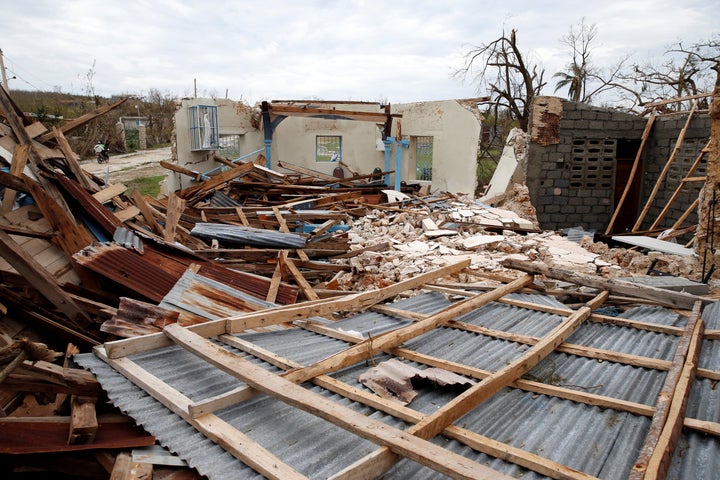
{"x":599,"y":441}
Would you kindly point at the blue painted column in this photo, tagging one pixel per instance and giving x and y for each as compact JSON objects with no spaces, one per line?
{"x":268,"y":161}
{"x":398,"y":161}
{"x":388,"y":141}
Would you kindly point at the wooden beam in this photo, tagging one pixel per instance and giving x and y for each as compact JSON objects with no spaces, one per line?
{"x":680,"y":186}
{"x":656,"y":453}
{"x":76,"y":123}
{"x":216,"y":429}
{"x":45,"y":283}
{"x":147,"y":212}
{"x":305,"y":287}
{"x":19,"y":160}
{"x":376,"y":463}
{"x":475,"y":441}
{"x":660,"y":296}
{"x":313,"y":173}
{"x":665,"y":170}
{"x":83,"y":420}
{"x":633,"y":171}
{"x":367,"y":348}
{"x":287,"y":313}
{"x":71,"y":160}
{"x":290,"y":111}
{"x":195,"y":175}
{"x":421,"y":451}
{"x":175,"y":208}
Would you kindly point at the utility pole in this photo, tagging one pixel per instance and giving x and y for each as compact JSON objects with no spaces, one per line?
{"x":2,"y":69}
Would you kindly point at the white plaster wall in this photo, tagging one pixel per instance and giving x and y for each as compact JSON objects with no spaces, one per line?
{"x":294,"y":141}
{"x":454,"y":128}
{"x":455,"y":131}
{"x":233,"y":118}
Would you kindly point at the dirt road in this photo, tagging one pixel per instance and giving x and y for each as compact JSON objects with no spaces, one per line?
{"x":121,"y":168}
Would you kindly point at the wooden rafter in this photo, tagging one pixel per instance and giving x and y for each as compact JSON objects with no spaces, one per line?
{"x":665,"y":170}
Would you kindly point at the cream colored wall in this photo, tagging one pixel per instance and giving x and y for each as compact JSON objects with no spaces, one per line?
{"x":454,"y":128}
{"x":455,"y":131}
{"x":294,"y":142}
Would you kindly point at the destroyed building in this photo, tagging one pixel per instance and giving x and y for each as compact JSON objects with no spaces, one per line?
{"x":427,"y":143}
{"x":220,"y":323}
{"x":581,"y":158}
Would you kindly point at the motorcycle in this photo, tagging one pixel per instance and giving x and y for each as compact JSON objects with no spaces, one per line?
{"x":102,"y":153}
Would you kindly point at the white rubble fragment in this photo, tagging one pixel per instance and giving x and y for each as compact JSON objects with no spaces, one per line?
{"x":481,"y":240}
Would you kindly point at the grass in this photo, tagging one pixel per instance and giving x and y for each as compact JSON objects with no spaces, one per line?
{"x":149,"y":186}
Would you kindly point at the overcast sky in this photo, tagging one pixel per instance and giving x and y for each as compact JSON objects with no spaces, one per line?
{"x":363,"y":50}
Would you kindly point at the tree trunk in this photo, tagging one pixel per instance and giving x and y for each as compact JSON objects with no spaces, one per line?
{"x":708,"y":231}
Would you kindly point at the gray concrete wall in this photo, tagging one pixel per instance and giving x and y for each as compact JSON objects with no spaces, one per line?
{"x":556,"y":177}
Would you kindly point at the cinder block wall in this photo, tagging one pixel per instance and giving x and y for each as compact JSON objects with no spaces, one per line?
{"x":572,"y":164}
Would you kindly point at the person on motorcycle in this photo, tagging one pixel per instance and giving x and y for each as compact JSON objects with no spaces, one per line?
{"x":102,"y":153}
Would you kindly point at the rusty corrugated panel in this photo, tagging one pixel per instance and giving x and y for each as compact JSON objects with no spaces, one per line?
{"x":128,"y":268}
{"x":134,"y":318}
{"x":202,"y":296}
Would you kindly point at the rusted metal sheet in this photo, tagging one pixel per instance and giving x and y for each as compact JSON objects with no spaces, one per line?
{"x":128,"y":268}
{"x":135,"y":318}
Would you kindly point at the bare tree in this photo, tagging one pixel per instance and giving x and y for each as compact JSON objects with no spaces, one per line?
{"x":686,"y":71}
{"x":579,"y":70}
{"x":503,"y":72}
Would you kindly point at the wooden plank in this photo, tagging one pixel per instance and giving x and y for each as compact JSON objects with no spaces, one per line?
{"x":367,"y":348}
{"x":76,"y":123}
{"x":26,"y":435}
{"x":665,"y":170}
{"x":274,"y":283}
{"x":175,"y":207}
{"x":633,"y":170}
{"x":83,"y":420}
{"x":213,"y":427}
{"x":421,"y":451}
{"x":376,"y":463}
{"x":660,"y":296}
{"x":71,"y":237}
{"x":126,"y":469}
{"x":127,"y":213}
{"x":242,"y":217}
{"x":305,"y":287}
{"x":109,"y":192}
{"x":19,"y":160}
{"x":287,"y":313}
{"x":72,"y":161}
{"x":198,"y":191}
{"x":656,"y":453}
{"x":147,"y":212}
{"x":29,"y":268}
